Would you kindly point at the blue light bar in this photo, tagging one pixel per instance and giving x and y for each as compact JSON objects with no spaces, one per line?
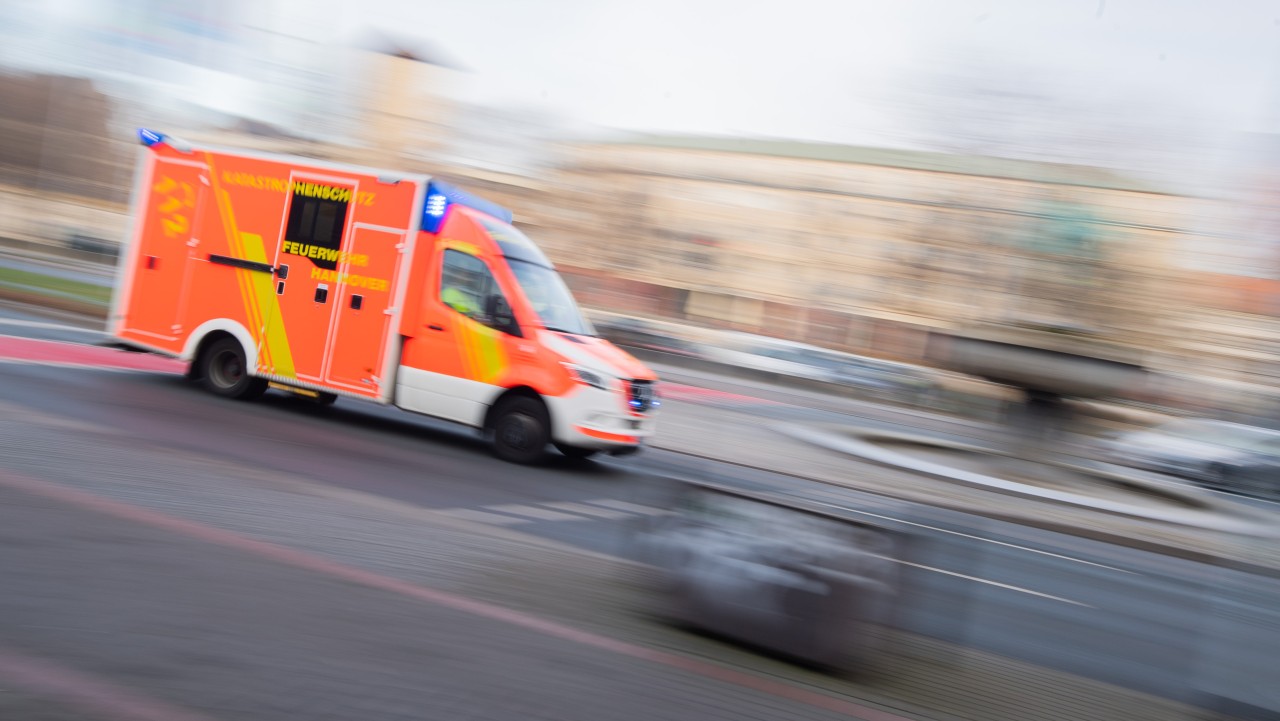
{"x":441,"y":195}
{"x":150,"y":137}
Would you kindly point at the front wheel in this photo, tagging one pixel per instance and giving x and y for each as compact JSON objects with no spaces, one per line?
{"x":521,"y":430}
{"x":225,"y":372}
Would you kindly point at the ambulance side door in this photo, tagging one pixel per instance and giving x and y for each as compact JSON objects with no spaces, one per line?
{"x":307,"y":278}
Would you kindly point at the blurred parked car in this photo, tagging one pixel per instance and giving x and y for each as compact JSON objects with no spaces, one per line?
{"x":636,"y":333}
{"x":878,"y":377}
{"x":774,"y":356}
{"x":1215,"y":454}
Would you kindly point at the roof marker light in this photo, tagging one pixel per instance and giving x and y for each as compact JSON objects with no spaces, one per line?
{"x":442,"y":195}
{"x":149,"y":137}
{"x":436,"y":205}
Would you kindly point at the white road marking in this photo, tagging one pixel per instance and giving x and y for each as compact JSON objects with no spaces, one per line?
{"x":541,"y":514}
{"x":586,"y":510}
{"x":997,"y":584}
{"x":976,"y":538}
{"x":470,"y":514}
{"x":632,"y":507}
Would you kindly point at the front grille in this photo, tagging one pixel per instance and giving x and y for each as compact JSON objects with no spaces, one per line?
{"x":640,"y":395}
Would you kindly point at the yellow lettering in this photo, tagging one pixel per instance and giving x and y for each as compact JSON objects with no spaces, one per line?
{"x":175,"y":225}
{"x":314,"y":190}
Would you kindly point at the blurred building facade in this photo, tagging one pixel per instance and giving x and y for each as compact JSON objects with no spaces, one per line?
{"x":863,"y":249}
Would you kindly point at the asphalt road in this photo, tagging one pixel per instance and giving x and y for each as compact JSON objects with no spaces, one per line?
{"x":1114,"y":614}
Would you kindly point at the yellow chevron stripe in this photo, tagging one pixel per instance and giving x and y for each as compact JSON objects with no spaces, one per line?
{"x":243,"y":277}
{"x":275,"y":341}
{"x":489,"y":355}
{"x":466,"y":332}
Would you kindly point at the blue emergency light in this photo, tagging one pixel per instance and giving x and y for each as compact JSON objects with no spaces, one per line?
{"x":442,"y":195}
{"x":150,"y":137}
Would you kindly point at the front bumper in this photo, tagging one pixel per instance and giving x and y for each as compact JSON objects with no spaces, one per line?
{"x":594,"y":418}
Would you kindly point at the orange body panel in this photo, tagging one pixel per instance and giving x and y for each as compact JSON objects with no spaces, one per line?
{"x":305,"y":322}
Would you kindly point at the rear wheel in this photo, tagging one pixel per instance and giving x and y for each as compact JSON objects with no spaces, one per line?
{"x":225,"y":372}
{"x":521,"y":430}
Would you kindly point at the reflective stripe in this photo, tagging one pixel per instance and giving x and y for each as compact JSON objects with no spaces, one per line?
{"x":605,"y":435}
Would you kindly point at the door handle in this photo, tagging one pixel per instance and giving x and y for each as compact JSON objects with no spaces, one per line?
{"x":433,"y":326}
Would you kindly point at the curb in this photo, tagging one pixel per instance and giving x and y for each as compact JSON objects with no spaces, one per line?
{"x":863,"y":447}
{"x":1255,"y":528}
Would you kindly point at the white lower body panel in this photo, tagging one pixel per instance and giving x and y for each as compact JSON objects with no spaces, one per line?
{"x":444,"y":396}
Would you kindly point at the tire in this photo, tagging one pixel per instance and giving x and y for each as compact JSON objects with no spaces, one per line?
{"x":325,"y":399}
{"x":576,"y":452}
{"x":225,"y":372}
{"x":521,"y":430}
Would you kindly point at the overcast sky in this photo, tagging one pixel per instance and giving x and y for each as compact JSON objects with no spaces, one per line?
{"x":1158,"y":75}
{"x":837,"y":69}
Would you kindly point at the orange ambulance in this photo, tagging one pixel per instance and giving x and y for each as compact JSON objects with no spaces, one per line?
{"x":332,"y":280}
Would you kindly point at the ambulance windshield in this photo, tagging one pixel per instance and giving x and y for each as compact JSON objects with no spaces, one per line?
{"x":542,"y":286}
{"x":550,"y":298}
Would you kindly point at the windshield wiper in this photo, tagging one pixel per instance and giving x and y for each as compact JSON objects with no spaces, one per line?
{"x":570,"y":332}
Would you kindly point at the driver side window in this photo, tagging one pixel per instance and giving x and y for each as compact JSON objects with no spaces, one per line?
{"x":468,"y":287}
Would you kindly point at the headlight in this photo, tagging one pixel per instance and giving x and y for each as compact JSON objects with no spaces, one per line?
{"x":595,"y":379}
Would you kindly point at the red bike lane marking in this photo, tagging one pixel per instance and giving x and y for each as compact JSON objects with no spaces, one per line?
{"x":88,"y":693}
{"x":473,"y":606}
{"x":16,"y":349}
{"x":694,"y":394}
{"x":61,"y":353}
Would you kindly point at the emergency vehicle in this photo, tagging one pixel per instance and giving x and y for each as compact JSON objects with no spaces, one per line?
{"x":330,"y":280}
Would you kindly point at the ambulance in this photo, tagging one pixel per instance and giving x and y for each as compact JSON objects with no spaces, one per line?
{"x":329,"y":280}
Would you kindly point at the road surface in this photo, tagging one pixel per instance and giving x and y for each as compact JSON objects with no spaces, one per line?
{"x":115,"y":595}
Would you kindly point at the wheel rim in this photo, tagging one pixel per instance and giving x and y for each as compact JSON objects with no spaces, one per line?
{"x":226,"y":369}
{"x":517,"y":432}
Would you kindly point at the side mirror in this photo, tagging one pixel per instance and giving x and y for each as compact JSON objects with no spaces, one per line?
{"x":500,"y":316}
